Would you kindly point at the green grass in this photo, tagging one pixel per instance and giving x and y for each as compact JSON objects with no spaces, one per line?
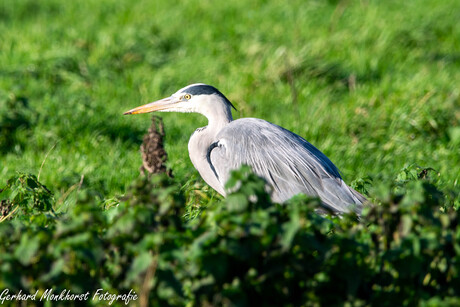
{"x":373,"y":84}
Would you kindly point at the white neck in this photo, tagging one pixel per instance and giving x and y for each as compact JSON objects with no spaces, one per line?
{"x":218,"y":114}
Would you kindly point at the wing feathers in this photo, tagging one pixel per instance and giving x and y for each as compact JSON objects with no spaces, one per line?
{"x":290,"y":164}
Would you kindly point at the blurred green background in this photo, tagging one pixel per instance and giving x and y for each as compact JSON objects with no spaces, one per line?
{"x":373,"y":84}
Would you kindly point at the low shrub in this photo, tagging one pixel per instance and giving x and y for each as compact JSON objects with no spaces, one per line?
{"x":243,"y":251}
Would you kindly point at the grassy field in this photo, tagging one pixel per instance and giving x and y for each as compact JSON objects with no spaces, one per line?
{"x":373,"y":84}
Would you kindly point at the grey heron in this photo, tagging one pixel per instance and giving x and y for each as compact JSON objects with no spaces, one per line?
{"x":289,"y":164}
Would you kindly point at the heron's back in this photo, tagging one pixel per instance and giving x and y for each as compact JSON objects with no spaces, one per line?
{"x":289,"y":163}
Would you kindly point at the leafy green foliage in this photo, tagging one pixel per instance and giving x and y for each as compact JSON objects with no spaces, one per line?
{"x":33,"y":199}
{"x":370,"y":83}
{"x":244,"y":250}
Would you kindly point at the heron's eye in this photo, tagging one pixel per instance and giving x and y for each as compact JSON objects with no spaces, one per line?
{"x":187,"y":96}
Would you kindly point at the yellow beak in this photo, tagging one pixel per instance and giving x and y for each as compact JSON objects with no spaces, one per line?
{"x":159,"y":105}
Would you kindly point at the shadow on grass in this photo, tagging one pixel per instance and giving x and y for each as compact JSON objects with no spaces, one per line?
{"x":17,"y":117}
{"x":332,"y":73}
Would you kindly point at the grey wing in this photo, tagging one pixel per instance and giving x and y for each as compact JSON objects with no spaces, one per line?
{"x":286,"y":161}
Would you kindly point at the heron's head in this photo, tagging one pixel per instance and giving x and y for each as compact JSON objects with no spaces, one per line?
{"x":199,"y":98}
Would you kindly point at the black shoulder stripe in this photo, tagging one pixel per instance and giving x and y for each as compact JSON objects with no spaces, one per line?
{"x":208,"y":157}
